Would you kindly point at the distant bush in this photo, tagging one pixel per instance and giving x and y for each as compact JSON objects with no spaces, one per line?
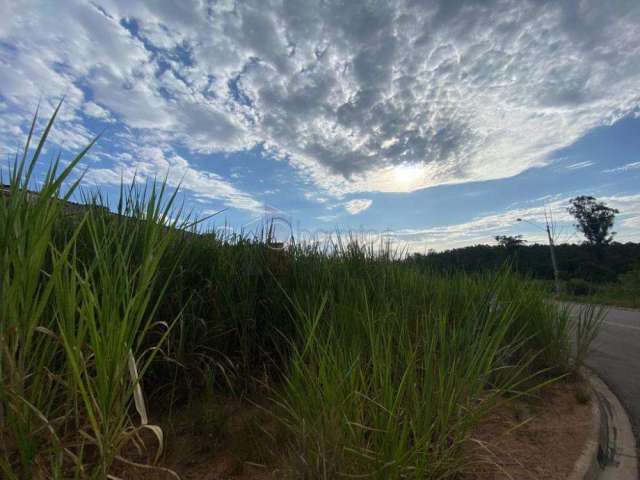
{"x":579,"y":287}
{"x":631,"y":280}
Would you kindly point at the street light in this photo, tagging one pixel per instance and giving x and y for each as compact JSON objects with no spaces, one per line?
{"x":551,"y":249}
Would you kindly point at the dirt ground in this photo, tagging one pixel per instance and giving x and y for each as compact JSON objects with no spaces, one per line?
{"x":537,"y":438}
{"x":544,"y":447}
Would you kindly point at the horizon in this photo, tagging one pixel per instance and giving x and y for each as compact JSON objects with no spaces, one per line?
{"x":436,"y":124}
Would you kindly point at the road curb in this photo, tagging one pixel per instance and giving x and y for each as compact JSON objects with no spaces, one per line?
{"x":610,"y":452}
{"x":587,"y":466}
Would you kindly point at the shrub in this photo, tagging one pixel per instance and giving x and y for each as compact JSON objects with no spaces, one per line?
{"x":630,"y":281}
{"x":579,"y":287}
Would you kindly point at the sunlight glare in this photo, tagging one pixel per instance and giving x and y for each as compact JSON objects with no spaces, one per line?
{"x":408,"y":176}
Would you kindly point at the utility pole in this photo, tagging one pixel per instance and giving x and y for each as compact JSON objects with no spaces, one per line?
{"x":554,"y":262}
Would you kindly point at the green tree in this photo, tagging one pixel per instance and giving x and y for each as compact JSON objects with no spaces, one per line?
{"x":510,"y":242}
{"x":595,"y":219}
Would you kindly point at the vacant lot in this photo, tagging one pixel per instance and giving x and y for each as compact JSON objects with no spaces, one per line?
{"x":351,"y":361}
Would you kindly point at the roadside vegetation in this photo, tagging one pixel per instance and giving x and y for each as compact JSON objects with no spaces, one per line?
{"x":614,"y":279}
{"x":363,"y":365}
{"x":574,"y":261}
{"x":625,"y":292}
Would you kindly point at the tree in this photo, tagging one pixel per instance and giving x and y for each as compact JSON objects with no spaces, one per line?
{"x":510,"y":242}
{"x":595,"y":219}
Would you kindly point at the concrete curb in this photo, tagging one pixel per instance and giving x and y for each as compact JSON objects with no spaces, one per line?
{"x":610,"y":452}
{"x":587,"y":466}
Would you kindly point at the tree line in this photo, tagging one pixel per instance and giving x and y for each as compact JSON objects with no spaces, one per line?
{"x":598,"y":259}
{"x":574,"y":261}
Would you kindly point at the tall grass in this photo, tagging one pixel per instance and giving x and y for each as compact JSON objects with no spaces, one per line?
{"x":29,"y":361}
{"x":392,"y":370}
{"x":586,"y":326}
{"x":74,"y":326}
{"x":374,"y":368}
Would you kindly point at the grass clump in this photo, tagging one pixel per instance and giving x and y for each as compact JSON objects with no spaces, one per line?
{"x":393,"y":371}
{"x":371,"y":367}
{"x":74,"y":323}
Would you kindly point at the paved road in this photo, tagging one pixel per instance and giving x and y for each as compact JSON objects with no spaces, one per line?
{"x":615,"y":356}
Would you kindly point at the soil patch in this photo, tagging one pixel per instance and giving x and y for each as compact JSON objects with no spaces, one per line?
{"x":537,"y":439}
{"x":219,"y":438}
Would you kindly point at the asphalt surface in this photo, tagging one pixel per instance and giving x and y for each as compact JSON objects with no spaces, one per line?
{"x":615,"y":357}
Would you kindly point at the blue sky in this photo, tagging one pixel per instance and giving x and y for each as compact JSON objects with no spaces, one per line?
{"x":437,"y":124}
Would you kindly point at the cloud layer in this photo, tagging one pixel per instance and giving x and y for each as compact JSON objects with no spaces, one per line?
{"x":357,"y":96}
{"x":483,"y":229}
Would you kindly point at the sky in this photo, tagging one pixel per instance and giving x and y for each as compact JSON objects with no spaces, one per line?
{"x":433,"y":124}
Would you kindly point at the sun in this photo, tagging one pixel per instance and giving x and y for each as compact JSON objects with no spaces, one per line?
{"x":407,"y":176}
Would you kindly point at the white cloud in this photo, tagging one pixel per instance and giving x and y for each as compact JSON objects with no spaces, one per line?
{"x":633,"y":222}
{"x":629,"y":207}
{"x":327,"y":218}
{"x":154,"y":162}
{"x":579,"y":165}
{"x":315,"y":197}
{"x":358,"y":96}
{"x":483,"y":229}
{"x":357,"y":205}
{"x":624,"y":168}
{"x":96,"y":111}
